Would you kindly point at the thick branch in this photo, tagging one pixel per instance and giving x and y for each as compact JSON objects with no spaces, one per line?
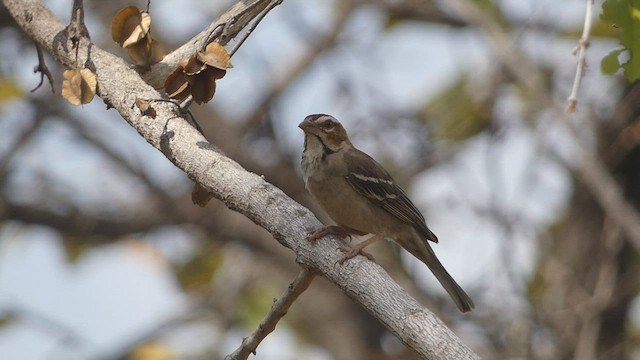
{"x":289,"y":222}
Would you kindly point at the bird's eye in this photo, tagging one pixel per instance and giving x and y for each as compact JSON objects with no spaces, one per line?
{"x":328,"y":125}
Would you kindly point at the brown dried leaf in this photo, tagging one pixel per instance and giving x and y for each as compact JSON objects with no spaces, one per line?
{"x":217,"y":73}
{"x":194,"y":66}
{"x":215,"y":55}
{"x":176,"y":85}
{"x":130,"y":25}
{"x":200,"y":196}
{"x":203,"y":86}
{"x":79,"y":86}
{"x":157,"y":52}
{"x":145,"y":108}
{"x":146,"y":52}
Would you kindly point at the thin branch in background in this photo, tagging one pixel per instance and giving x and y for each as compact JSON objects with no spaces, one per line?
{"x":581,"y":50}
{"x":20,"y":141}
{"x":278,"y":310}
{"x":589,"y":168}
{"x":95,"y":140}
{"x":253,"y":25}
{"x":43,"y":70}
{"x":324,"y":43}
{"x":591,"y":309}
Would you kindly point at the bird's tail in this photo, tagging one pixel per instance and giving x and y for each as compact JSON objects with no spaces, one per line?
{"x":427,"y":256}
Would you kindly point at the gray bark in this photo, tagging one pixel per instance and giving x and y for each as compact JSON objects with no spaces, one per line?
{"x":289,"y":222}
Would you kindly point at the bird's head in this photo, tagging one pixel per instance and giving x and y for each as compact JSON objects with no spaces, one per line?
{"x":327,"y":130}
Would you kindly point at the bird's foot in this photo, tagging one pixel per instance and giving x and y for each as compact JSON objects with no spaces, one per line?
{"x":350,"y":253}
{"x":338,"y":231}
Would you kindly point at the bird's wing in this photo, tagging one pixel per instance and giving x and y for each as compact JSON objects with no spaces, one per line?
{"x":373,"y":182}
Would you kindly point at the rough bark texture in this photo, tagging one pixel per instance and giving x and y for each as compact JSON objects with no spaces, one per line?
{"x":365,"y":282}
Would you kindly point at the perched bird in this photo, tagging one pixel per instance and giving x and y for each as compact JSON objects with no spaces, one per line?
{"x":362,"y":198}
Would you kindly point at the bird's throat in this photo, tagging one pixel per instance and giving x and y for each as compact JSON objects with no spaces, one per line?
{"x":325,"y":149}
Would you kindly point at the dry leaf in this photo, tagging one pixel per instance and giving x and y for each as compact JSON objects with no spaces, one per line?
{"x":145,"y":52}
{"x":157,"y":52}
{"x":217,"y":73}
{"x":200,"y":196}
{"x":145,"y":108}
{"x":215,"y":55}
{"x":202,"y":86}
{"x":176,"y":85}
{"x":130,"y":25}
{"x":79,"y":86}
{"x":194,"y":66}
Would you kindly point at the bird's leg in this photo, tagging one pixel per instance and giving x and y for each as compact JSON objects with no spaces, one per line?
{"x":357,"y":250}
{"x":329,"y":230}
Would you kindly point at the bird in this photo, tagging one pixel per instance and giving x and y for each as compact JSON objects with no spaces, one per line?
{"x":361,"y":197}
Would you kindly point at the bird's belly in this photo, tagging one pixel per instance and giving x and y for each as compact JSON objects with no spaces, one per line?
{"x":348,"y":210}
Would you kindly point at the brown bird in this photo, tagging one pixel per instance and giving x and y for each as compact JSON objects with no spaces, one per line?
{"x":362,"y":198}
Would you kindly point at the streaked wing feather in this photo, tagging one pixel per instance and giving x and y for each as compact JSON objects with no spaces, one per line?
{"x":372,"y":181}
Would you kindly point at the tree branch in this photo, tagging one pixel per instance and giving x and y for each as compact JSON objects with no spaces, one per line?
{"x":277,"y":312}
{"x":581,"y":50}
{"x":233,"y":21}
{"x":247,"y":193}
{"x":588,"y":166}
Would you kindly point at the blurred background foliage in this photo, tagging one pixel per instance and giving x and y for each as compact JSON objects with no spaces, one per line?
{"x":103,"y":255}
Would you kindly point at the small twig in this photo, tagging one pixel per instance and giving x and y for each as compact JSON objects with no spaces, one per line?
{"x":217,"y":31}
{"x":222,"y":30}
{"x":589,"y":168}
{"x":319,"y":45}
{"x":76,"y":29}
{"x":183,"y":107}
{"x":580,"y":49}
{"x":253,"y":26}
{"x":278,"y":310}
{"x":43,"y":70}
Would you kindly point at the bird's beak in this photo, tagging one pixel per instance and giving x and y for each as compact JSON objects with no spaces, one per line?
{"x":306,"y":125}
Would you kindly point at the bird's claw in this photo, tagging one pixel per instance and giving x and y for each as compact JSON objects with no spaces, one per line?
{"x":329,"y":230}
{"x":350,"y":253}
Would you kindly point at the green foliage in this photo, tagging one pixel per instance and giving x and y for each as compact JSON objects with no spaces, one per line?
{"x":74,"y":247}
{"x":456,"y":114}
{"x":197,"y":273}
{"x":6,"y":319}
{"x":257,"y":302}
{"x":624,"y":14}
{"x":610,"y":63}
{"x":9,"y":90}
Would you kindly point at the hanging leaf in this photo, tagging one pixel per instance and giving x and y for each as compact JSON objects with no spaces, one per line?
{"x":215,"y":55}
{"x":196,"y":76}
{"x":79,"y":86}
{"x":130,"y":25}
{"x":194,"y":66}
{"x":176,"y":85}
{"x":200,"y":196}
{"x":147,"y":51}
{"x":74,"y":247}
{"x":202,"y":85}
